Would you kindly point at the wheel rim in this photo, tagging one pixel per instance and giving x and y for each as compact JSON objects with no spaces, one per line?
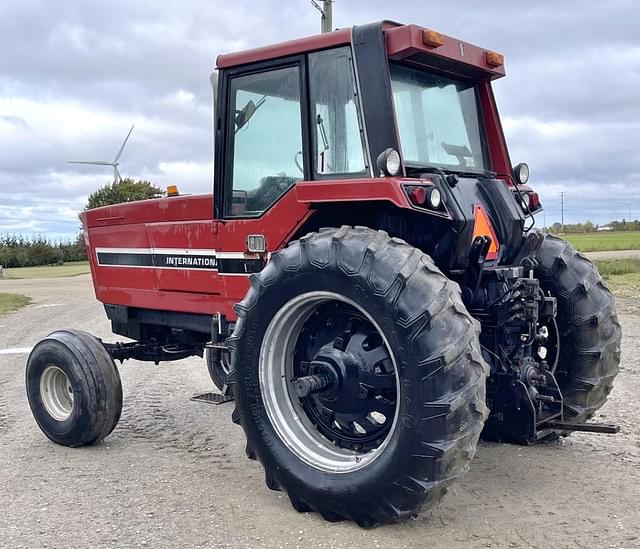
{"x":56,"y":393}
{"x":348,"y":419}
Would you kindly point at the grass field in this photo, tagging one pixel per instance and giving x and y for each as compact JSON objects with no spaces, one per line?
{"x":56,"y":271}
{"x":604,"y":242}
{"x":12,"y":302}
{"x":622,"y":275}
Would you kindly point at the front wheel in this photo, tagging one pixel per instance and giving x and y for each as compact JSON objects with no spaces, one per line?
{"x":358,"y":376}
{"x":73,"y":388}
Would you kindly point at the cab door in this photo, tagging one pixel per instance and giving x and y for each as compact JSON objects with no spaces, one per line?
{"x":263,"y":142}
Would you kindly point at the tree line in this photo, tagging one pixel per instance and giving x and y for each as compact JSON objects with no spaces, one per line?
{"x":29,"y":251}
{"x":589,"y":227}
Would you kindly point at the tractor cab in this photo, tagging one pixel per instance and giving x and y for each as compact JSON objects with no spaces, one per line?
{"x":376,"y":114}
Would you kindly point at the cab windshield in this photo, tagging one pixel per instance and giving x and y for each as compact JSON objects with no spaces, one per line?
{"x":438,"y":120}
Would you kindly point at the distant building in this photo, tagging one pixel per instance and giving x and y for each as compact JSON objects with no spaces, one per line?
{"x":605,"y":228}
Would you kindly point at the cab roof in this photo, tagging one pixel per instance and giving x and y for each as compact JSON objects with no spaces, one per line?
{"x":404,"y":42}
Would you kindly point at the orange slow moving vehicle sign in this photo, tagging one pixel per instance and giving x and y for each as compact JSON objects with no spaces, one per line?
{"x":482,"y":227}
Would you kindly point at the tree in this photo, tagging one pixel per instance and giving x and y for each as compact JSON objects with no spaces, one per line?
{"x":125,"y":190}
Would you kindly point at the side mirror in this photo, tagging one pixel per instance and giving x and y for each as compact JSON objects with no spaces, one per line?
{"x":243,"y":116}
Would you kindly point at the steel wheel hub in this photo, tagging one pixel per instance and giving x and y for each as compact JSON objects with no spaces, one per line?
{"x":329,"y":381}
{"x":56,"y":393}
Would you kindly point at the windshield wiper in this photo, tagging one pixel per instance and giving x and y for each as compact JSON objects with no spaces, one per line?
{"x":488,"y":174}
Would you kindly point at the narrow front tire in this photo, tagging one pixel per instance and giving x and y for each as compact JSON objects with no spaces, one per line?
{"x":73,"y":388}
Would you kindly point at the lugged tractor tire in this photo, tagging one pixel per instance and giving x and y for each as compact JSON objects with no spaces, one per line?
{"x":74,"y":388}
{"x":440,"y":375}
{"x":589,"y":331}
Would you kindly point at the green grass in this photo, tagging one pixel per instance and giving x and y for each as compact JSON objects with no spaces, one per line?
{"x":604,"y":242}
{"x":73,"y":268}
{"x":617,"y":267}
{"x":622,"y":276}
{"x":12,"y":302}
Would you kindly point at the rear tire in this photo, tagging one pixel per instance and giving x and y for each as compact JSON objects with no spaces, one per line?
{"x":73,"y":388}
{"x":588,"y":326}
{"x":388,"y":287}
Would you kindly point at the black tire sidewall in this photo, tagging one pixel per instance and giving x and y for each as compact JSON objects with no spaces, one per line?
{"x":77,"y":426}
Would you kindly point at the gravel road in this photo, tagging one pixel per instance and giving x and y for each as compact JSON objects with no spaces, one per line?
{"x":174,"y":473}
{"x":614,"y":254}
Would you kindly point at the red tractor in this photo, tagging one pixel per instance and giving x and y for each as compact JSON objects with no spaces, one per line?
{"x":365,"y":280}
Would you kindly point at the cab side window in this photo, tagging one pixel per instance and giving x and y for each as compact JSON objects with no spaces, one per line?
{"x":266,"y":140}
{"x":336,"y":132}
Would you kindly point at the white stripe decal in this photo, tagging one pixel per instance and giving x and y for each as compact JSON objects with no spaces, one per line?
{"x":172,"y":251}
{"x":123,"y":250}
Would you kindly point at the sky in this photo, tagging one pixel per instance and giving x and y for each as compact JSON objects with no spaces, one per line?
{"x":76,"y":74}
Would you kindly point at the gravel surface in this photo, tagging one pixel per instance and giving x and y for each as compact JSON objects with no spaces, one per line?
{"x":174,"y":473}
{"x":614,"y":254}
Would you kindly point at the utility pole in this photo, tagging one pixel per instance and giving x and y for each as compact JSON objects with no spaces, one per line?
{"x":562,"y":210}
{"x":326,"y":12}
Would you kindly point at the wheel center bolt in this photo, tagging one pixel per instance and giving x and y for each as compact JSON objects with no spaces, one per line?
{"x":306,"y":385}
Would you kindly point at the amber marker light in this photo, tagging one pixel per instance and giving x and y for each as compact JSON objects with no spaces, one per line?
{"x":432,"y":38}
{"x":495,"y":59}
{"x":172,"y":190}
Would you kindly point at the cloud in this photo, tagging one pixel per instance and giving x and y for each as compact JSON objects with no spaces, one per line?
{"x":75,"y":75}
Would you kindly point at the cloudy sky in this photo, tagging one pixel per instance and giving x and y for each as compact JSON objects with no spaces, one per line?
{"x":75,"y":74}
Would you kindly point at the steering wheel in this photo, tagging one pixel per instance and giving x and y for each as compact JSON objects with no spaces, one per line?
{"x":299,"y":163}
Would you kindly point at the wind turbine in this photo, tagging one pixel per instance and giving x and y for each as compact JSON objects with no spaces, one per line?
{"x":116,"y":174}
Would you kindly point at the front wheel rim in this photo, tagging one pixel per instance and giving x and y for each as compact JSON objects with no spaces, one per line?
{"x":287,"y":411}
{"x":56,"y":393}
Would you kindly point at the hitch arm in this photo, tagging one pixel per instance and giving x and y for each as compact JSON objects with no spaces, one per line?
{"x":606,"y":428}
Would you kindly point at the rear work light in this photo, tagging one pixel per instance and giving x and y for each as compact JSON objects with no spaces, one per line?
{"x":389,"y":162}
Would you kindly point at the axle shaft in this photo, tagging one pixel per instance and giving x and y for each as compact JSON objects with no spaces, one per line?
{"x":306,"y":385}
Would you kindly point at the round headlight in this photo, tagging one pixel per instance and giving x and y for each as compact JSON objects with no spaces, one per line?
{"x":435,"y":198}
{"x":388,"y":162}
{"x":521,"y":173}
{"x":526,"y":200}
